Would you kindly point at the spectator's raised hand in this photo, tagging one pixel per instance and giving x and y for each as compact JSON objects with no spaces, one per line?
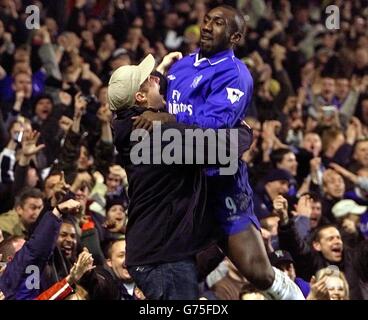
{"x":104,"y":114}
{"x":59,"y":190}
{"x":280,"y":206}
{"x":80,"y":105}
{"x":19,"y":98}
{"x":70,"y":206}
{"x":29,"y":143}
{"x":303,"y":207}
{"x":45,"y":35}
{"x":84,"y":264}
{"x":318,"y":289}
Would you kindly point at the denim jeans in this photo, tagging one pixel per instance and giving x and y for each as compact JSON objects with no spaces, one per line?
{"x":167,"y":281}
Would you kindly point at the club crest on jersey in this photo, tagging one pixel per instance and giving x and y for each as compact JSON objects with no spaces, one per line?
{"x":234,"y":95}
{"x":171,"y":77}
{"x":196,"y":81}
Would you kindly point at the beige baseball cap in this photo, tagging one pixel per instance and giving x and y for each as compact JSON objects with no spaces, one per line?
{"x":346,"y":206}
{"x":126,"y":81}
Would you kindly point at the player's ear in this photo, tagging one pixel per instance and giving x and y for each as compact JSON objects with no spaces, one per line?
{"x":235,"y":38}
{"x":140,"y":97}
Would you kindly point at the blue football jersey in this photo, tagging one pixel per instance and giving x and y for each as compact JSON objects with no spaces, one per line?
{"x":215,"y":93}
{"x":211,"y":93}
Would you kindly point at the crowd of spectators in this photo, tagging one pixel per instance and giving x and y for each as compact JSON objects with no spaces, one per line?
{"x":308,"y":163}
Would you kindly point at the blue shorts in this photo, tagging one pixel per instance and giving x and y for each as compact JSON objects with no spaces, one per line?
{"x":230,"y":199}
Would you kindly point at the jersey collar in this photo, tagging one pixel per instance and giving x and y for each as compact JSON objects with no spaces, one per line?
{"x":215,"y":59}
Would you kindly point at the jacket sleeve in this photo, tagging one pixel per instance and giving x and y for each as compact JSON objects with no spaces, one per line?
{"x":299,"y":249}
{"x":35,"y":252}
{"x":48,"y":58}
{"x":7,"y":163}
{"x":229,"y":98}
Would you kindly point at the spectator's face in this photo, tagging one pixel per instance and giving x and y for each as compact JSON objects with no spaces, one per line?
{"x":316,"y":214}
{"x":30,"y":210}
{"x":289,"y":163}
{"x":271,"y":225}
{"x":83,"y":160}
{"x":134,"y":34}
{"x":67,"y":240}
{"x":94,"y":25}
{"x":312,"y":143}
{"x":171,"y":20}
{"x":116,"y":214}
{"x":113,"y":181}
{"x":361,"y":153}
{"x":256,"y":127}
{"x":50,"y":184}
{"x":32,"y":177}
{"x":329,"y":244}
{"x":336,"y":289}
{"x":151,"y":90}
{"x":117,"y":261}
{"x":23,"y":82}
{"x":334,"y":185}
{"x":361,"y":58}
{"x":15,"y":129}
{"x":22,"y":55}
{"x":43,"y":108}
{"x":328,"y":88}
{"x":149,"y":19}
{"x":342,"y":88}
{"x":215,"y":31}
{"x":82,"y":194}
{"x":278,"y":187}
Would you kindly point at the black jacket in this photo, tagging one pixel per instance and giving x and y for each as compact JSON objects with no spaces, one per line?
{"x":166,"y":211}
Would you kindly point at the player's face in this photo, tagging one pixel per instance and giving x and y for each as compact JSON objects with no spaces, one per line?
{"x":215,"y":31}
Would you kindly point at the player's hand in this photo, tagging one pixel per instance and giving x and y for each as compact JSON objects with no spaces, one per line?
{"x":168,"y":61}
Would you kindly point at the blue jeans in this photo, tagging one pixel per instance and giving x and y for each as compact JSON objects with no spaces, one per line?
{"x":167,"y":281}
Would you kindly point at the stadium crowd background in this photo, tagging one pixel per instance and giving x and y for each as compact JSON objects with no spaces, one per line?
{"x":308,"y":163}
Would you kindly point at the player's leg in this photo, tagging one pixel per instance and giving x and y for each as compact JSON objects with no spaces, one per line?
{"x":247,"y":251}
